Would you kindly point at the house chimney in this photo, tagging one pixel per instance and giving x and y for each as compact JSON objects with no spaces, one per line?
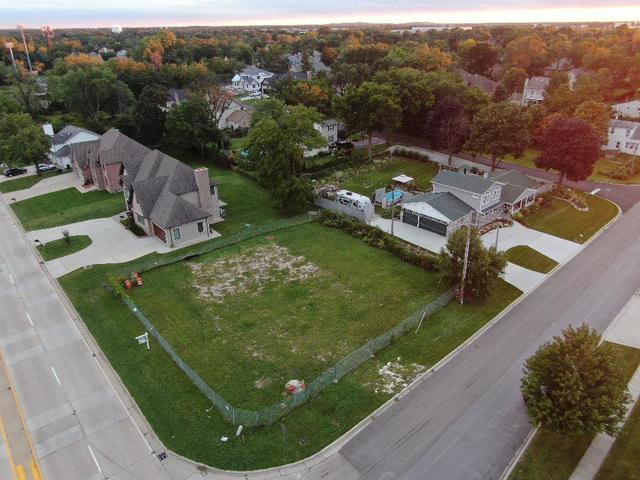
{"x":309,"y":75}
{"x":204,"y":190}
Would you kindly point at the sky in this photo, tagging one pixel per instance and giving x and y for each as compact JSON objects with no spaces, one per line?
{"x":105,"y":13}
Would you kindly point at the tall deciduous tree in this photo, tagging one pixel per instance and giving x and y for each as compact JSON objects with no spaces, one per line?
{"x":479,"y":58}
{"x":149,"y":116}
{"x":484,"y":267}
{"x":500,"y":129}
{"x":573,"y":386}
{"x":571,"y":146}
{"x":22,"y":141}
{"x":447,"y":125}
{"x":190,"y":126}
{"x":596,"y":114}
{"x":368,"y":108}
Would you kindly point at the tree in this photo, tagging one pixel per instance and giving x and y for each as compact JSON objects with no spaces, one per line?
{"x":484,"y":266}
{"x":216,"y":96}
{"x":190,"y":126}
{"x":479,"y":58}
{"x":596,"y":114}
{"x":513,"y":79}
{"x":22,"y":141}
{"x":368,"y":108}
{"x":447,"y":125}
{"x":500,"y":129}
{"x":573,"y":386}
{"x":276,"y":144}
{"x":571,"y":146}
{"x":528,"y":52}
{"x":148,"y":115}
{"x":329,"y":56}
{"x":26,"y":91}
{"x":429,"y":58}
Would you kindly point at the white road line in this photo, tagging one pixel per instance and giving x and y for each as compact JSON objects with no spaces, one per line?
{"x":95,"y":460}
{"x":29,"y":318}
{"x":56,"y":375}
{"x":595,"y":191}
{"x":11,"y":280}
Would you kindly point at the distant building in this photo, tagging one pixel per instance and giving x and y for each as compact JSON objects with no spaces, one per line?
{"x":116,"y":29}
{"x":475,"y":80}
{"x":61,"y":142}
{"x":250,"y":79}
{"x":628,"y":109}
{"x":315,"y":60}
{"x":535,"y":88}
{"x":122,"y":53}
{"x":624,"y":136}
{"x":329,"y":130}
{"x":175,"y":96}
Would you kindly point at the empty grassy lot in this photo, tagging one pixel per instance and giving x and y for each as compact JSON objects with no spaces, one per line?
{"x":188,"y":424}
{"x":65,"y":207}
{"x":553,"y":457}
{"x":253,"y":316}
{"x":22,"y":183}
{"x":623,"y":460}
{"x":529,"y":258}
{"x":561,"y":219}
{"x":62,"y":248}
{"x":369,"y":179}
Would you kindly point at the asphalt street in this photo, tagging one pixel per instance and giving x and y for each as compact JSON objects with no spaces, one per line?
{"x":467,"y":419}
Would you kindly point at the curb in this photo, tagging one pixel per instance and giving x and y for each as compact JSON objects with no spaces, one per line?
{"x":519,"y":454}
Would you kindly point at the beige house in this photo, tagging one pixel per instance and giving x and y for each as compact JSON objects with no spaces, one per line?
{"x":169,"y":199}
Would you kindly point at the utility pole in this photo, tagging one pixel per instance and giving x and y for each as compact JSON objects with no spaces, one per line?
{"x":20,"y":27}
{"x":497,"y":236}
{"x":9,"y":46}
{"x":466,"y":262}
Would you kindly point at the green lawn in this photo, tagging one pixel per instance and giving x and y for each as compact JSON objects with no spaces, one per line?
{"x":553,"y":457}
{"x":623,"y":460}
{"x":529,"y":258}
{"x":559,"y":218}
{"x":22,"y":183}
{"x":368,"y":179}
{"x":60,"y":248}
{"x":189,"y":425}
{"x":527,"y":160}
{"x":318,"y":320}
{"x":65,"y":207}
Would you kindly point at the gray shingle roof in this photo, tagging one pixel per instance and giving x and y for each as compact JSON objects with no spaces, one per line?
{"x":538,"y":83}
{"x":514,"y":177}
{"x":445,"y":203}
{"x":462,"y":181}
{"x":510,"y":193}
{"x":115,"y":147}
{"x":63,"y":152}
{"x":158,"y":182}
{"x":476,"y":80}
{"x":84,"y":153}
{"x":66,"y":133}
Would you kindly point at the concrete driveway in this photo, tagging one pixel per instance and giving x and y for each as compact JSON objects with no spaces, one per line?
{"x":111,"y":243}
{"x":47,"y":185}
{"x":524,"y":279}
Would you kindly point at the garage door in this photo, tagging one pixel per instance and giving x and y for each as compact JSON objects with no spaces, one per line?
{"x":433,"y":225}
{"x":160,"y":233}
{"x":410,"y":218}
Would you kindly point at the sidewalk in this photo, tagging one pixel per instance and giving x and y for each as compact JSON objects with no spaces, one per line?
{"x":625,"y":330}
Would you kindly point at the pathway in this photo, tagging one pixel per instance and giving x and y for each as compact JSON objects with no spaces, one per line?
{"x":111,"y":243}
{"x":625,"y":329}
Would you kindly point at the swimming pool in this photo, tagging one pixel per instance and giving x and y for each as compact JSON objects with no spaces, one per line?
{"x":394,"y":196}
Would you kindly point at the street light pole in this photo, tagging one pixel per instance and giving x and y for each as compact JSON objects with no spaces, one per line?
{"x":20,"y":27}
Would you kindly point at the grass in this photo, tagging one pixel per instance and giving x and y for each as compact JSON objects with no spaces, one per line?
{"x":561,"y":219}
{"x":527,"y":160}
{"x":551,"y":456}
{"x":369,"y":179}
{"x":23,"y":183}
{"x":188,"y":424}
{"x":66,"y":206}
{"x":60,"y":248}
{"x":238,"y":144}
{"x":623,"y":460}
{"x":529,"y":258}
{"x":284,"y":330}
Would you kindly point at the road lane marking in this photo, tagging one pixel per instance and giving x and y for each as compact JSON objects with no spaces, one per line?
{"x":595,"y":191}
{"x":21,"y":474}
{"x":11,"y":280}
{"x":29,"y":318}
{"x":35,"y":470}
{"x":55,"y":375}
{"x":95,"y":460}
{"x":8,"y":448}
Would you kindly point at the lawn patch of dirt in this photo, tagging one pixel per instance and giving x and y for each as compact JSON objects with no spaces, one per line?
{"x":395,"y":376}
{"x":250,"y":271}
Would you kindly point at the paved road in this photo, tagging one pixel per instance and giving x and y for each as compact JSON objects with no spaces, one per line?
{"x":81,"y":429}
{"x":624,"y":195}
{"x":467,"y":419}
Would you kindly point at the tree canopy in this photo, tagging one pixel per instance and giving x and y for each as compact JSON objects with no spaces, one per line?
{"x":22,"y":141}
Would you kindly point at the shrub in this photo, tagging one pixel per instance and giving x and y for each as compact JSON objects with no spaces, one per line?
{"x":67,"y":236}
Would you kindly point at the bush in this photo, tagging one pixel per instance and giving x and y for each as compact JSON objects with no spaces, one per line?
{"x":133,"y":227}
{"x":377,"y":238}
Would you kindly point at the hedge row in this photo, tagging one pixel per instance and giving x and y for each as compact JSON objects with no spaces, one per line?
{"x":378,"y":238}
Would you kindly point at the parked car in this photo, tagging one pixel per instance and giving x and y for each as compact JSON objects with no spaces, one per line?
{"x":46,"y":167}
{"x":341,"y":145}
{"x":256,"y":94}
{"x":12,"y":172}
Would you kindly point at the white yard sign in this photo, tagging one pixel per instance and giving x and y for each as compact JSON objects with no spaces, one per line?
{"x":144,"y":338}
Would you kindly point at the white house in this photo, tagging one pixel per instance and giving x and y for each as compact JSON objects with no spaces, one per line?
{"x":315,"y":60}
{"x":624,"y":136}
{"x":628,"y":109}
{"x":234,"y":106}
{"x":60,"y":153}
{"x":250,"y":79}
{"x":534,"y":90}
{"x":329,"y":131}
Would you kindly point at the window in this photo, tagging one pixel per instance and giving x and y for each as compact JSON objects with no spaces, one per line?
{"x":631,"y":145}
{"x":485,"y":199}
{"x":617,"y":145}
{"x":200,"y":227}
{"x":330,"y":139}
{"x":140,"y":218}
{"x":496,"y":192}
{"x":176,"y":234}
